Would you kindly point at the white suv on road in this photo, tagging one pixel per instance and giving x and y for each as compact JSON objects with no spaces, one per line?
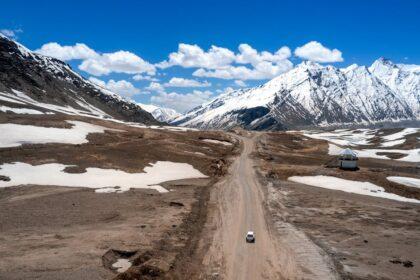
{"x":250,"y":237}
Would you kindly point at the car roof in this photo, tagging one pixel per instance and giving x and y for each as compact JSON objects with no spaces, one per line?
{"x":250,"y":233}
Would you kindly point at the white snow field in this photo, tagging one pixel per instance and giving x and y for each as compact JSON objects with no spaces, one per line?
{"x":363,"y":188}
{"x":399,"y":137}
{"x":401,"y":134}
{"x":8,"y":99}
{"x":103,"y":180}
{"x":343,"y":137}
{"x":13,"y":135}
{"x":214,"y":141}
{"x":347,"y":137}
{"x":122,"y":265}
{"x":5,"y":109}
{"x":412,"y":155}
{"x":407,"y":181}
{"x":21,"y":98}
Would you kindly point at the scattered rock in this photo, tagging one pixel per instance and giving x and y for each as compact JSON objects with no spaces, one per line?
{"x":408,"y":263}
{"x":74,"y":169}
{"x":4,"y":178}
{"x":219,"y":167}
{"x":271,"y":174}
{"x":112,"y":255}
{"x":176,"y":204}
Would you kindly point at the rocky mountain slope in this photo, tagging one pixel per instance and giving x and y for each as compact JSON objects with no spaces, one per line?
{"x":402,"y":79}
{"x":35,"y":81}
{"x":160,"y":113}
{"x":316,"y":95}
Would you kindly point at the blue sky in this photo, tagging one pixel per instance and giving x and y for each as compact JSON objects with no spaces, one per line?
{"x":341,"y":32}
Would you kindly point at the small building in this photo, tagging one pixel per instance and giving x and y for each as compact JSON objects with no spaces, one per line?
{"x":348,"y":159}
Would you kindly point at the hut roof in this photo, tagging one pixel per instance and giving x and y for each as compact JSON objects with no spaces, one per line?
{"x":348,"y":153}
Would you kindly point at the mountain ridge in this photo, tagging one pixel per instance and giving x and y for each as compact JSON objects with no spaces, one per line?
{"x":46,"y":80}
{"x":313,"y":95}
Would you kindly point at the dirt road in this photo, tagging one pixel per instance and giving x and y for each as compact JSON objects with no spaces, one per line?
{"x":239,"y":207}
{"x":239,"y":210}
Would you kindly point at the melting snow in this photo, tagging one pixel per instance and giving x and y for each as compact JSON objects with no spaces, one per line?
{"x":344,"y":137}
{"x":103,"y":180}
{"x":8,"y":99}
{"x":412,"y":155}
{"x":14,"y":135}
{"x":407,"y":181}
{"x":89,"y":110}
{"x":393,"y":143}
{"x":363,"y":188}
{"x":399,"y":137}
{"x":401,"y":134}
{"x":226,"y":143}
{"x":20,"y":110}
{"x":122,"y":265}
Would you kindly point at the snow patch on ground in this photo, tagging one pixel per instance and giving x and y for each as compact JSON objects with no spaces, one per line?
{"x":13,"y":135}
{"x":363,"y":188}
{"x":401,"y":134}
{"x":213,"y":141}
{"x":89,"y":110}
{"x":399,"y":137}
{"x":407,"y":181}
{"x":122,"y":265}
{"x":343,"y":137}
{"x":412,"y":155}
{"x":393,"y":143}
{"x":8,"y":99}
{"x":5,"y":109}
{"x":102,"y":180}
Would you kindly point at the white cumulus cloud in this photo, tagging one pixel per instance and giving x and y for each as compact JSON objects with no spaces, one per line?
{"x":261,"y":71}
{"x":140,"y":77}
{"x":222,"y":63}
{"x":118,"y":62}
{"x":65,"y":53}
{"x":98,"y":64}
{"x":315,"y":51}
{"x":249,"y":55}
{"x":193,"y":56}
{"x":181,"y":102}
{"x":181,"y":82}
{"x":155,"y":86}
{"x":122,"y":87}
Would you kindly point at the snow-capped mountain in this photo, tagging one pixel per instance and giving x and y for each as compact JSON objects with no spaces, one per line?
{"x":403,"y":79}
{"x":309,"y":95}
{"x":160,"y":113}
{"x":33,"y":81}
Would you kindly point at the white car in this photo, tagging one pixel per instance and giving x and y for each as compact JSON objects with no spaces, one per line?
{"x":250,"y":237}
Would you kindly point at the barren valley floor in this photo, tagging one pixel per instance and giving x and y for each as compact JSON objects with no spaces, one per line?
{"x":197,"y":229}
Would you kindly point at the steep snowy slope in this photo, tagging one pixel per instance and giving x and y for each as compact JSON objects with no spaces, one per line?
{"x":402,"y":79}
{"x":51,"y":85}
{"x":160,"y":113}
{"x":309,"y":94}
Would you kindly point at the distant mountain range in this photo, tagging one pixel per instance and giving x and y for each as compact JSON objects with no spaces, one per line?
{"x":160,"y":113}
{"x":308,"y":95}
{"x":33,"y":81}
{"x":315,"y":95}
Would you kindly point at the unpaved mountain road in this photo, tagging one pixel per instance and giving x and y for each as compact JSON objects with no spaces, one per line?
{"x":238,"y":203}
